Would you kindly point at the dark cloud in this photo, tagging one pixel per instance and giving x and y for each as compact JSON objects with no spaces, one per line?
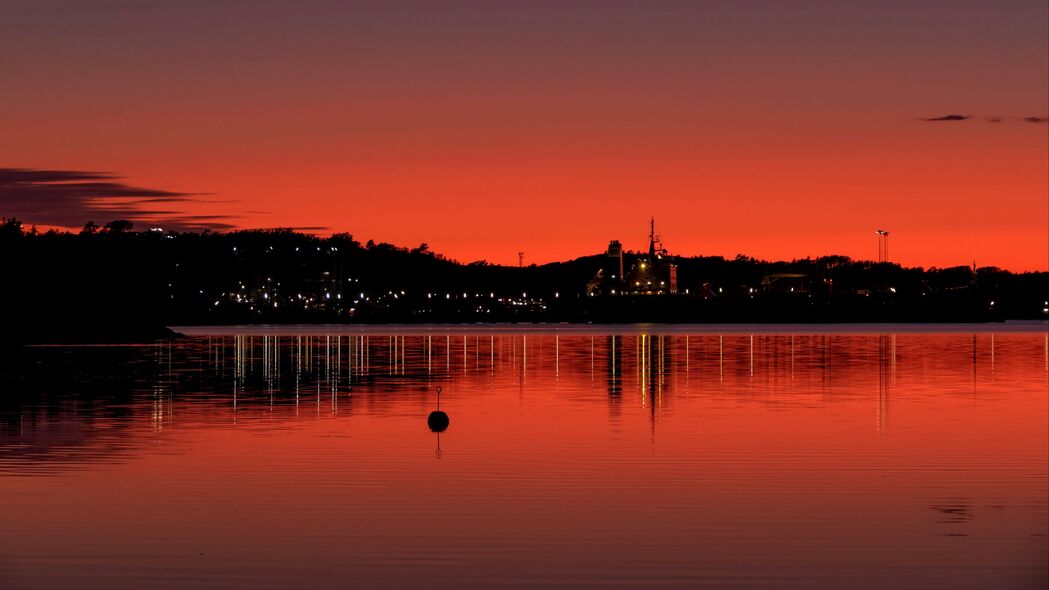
{"x":70,"y":198}
{"x":947,"y":118}
{"x":991,"y":119}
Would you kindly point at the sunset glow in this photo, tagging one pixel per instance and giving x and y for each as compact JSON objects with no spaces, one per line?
{"x":487,"y":129}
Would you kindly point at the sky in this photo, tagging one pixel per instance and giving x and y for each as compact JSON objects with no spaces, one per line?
{"x":772,"y":129}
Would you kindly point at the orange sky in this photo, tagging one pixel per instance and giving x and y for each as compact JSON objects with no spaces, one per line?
{"x":484,"y":131}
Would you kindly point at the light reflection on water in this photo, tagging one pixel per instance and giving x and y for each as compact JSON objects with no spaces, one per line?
{"x":640,"y":457}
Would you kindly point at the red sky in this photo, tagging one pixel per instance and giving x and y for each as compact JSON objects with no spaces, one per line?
{"x":484,"y":129}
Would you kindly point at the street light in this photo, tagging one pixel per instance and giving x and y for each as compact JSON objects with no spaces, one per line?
{"x":883,"y":245}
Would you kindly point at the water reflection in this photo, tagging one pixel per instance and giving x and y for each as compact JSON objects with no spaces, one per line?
{"x":633,"y":458}
{"x":56,"y":410}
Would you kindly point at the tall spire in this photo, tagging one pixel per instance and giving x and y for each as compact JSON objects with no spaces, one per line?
{"x":652,"y":237}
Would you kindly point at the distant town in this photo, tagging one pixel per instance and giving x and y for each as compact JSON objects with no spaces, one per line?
{"x":112,"y":274}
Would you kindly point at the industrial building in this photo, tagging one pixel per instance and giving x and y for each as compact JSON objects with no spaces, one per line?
{"x":635,"y":273}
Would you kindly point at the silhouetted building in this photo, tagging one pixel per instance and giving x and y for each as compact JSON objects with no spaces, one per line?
{"x":636,"y":273}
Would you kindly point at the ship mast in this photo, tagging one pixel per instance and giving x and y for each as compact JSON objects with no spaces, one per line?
{"x":652,"y":237}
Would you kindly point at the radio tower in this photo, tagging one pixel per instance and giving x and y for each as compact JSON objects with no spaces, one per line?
{"x":520,"y":259}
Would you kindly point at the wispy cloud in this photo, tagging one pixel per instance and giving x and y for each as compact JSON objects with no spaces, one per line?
{"x":947,"y":118}
{"x":990,"y":119}
{"x":69,"y":198}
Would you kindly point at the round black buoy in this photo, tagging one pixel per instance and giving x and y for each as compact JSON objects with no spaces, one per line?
{"x":437,"y":420}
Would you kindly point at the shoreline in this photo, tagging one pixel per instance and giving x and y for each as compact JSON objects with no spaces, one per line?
{"x":1012,"y":326}
{"x":76,"y":336}
{"x":88,"y":335}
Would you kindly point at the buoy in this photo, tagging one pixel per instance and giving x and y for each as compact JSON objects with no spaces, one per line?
{"x":437,"y":420}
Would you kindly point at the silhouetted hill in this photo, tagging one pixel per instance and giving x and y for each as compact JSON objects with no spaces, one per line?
{"x":113,"y":282}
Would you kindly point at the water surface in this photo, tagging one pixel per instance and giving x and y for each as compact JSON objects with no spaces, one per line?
{"x":622,"y":457}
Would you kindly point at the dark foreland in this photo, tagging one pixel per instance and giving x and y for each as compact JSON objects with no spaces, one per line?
{"x":116,"y":283}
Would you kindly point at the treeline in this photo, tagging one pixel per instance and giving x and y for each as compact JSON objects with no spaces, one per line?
{"x":105,"y":275}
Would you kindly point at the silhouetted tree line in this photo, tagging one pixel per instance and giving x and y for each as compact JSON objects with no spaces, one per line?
{"x":113,"y":275}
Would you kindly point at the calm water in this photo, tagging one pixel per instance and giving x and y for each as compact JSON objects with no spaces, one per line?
{"x":622,"y":458}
